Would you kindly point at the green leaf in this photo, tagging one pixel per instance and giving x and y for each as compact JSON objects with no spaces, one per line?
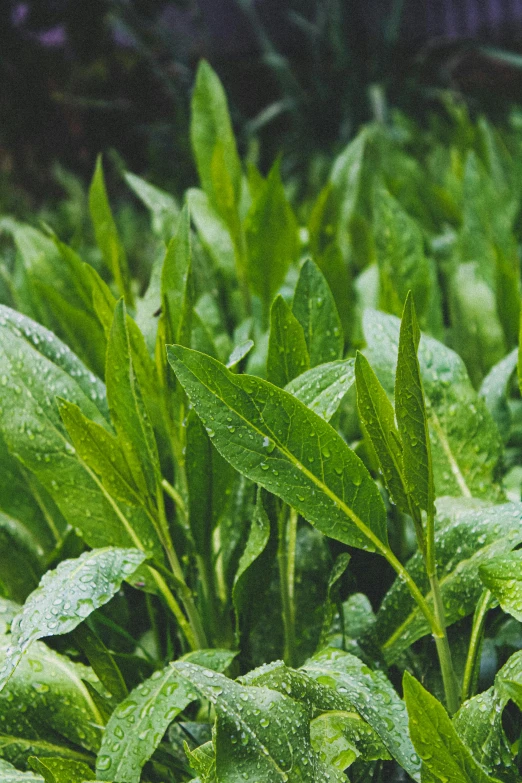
{"x":211,"y":126}
{"x":333,"y":601}
{"x":46,"y":708}
{"x":259,"y":429}
{"x":435,"y":739}
{"x":411,"y":413}
{"x":494,"y":391}
{"x":21,"y":558}
{"x":287,"y":351}
{"x":402,"y":264}
{"x":341,"y":737}
{"x":250,"y":582}
{"x":314,"y":307}
{"x":372,"y":695}
{"x":162,"y":205}
{"x":271,"y":238}
{"x":106,"y":232}
{"x":66,"y":596}
{"x":250,"y":722}
{"x":102,"y":661}
{"x":467,"y":534}
{"x":176,"y":284}
{"x":213,"y":233}
{"x":61,"y":770}
{"x":127,"y":407}
{"x":346,"y":180}
{"x":8,"y":611}
{"x":465,"y":444}
{"x":239,"y":352}
{"x":378,"y":419}
{"x":9,"y":774}
{"x":101,"y":451}
{"x":323,"y":388}
{"x":138,"y":723}
{"x":503,"y":576}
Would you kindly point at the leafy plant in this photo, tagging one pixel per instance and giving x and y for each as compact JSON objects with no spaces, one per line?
{"x":201,"y":481}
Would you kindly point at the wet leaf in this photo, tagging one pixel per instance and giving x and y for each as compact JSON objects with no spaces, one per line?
{"x":494,"y":391}
{"x":66,"y":596}
{"x":287,"y":351}
{"x":323,"y":388}
{"x":314,"y":307}
{"x":9,"y":774}
{"x":259,"y":429}
{"x":503,"y":576}
{"x":138,"y":724}
{"x":61,"y":770}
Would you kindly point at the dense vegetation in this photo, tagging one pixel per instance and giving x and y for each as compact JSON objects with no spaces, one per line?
{"x":261,"y":470}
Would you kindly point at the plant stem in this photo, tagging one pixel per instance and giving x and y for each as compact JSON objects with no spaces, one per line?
{"x":175,"y":495}
{"x":449,"y":679}
{"x":286,"y":598}
{"x":175,"y":608}
{"x":291,"y":540}
{"x":477,"y":628}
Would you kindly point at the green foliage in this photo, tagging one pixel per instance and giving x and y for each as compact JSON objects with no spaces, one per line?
{"x":194,"y":428}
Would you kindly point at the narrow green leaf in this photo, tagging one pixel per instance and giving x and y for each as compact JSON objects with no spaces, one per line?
{"x":248,"y":731}
{"x":346,"y":180}
{"x":465,"y":444}
{"x":46,"y":708}
{"x":21,"y":558}
{"x":323,"y":388}
{"x":61,"y":770}
{"x":271,"y":237}
{"x":211,"y":125}
{"x":106,"y":232}
{"x":138,"y":724}
{"x":259,"y":429}
{"x":239,"y":352}
{"x":101,"y":451}
{"x":314,"y":307}
{"x":176,"y":284}
{"x":66,"y":596}
{"x":213,"y":233}
{"x":9,"y":774}
{"x":102,"y":661}
{"x":411,"y":413}
{"x":435,"y":739}
{"x":128,"y":410}
{"x":503,"y":576}
{"x":250,"y":582}
{"x":287,"y":351}
{"x":467,"y":535}
{"x":378,"y":419}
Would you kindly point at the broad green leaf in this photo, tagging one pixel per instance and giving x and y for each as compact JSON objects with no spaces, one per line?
{"x":435,"y":739}
{"x":46,"y":708}
{"x":260,"y":429}
{"x":34,"y":433}
{"x":128,"y":409}
{"x":106,"y":232}
{"x":66,"y":596}
{"x":101,"y":451}
{"x":287,"y":351}
{"x":271,"y":238}
{"x":314,"y":307}
{"x":250,"y":582}
{"x":378,"y":419}
{"x":249,"y":725}
{"x":467,"y":535}
{"x":53,"y":349}
{"x":213,"y":233}
{"x":341,"y":737}
{"x":162,"y":205}
{"x":494,"y":391}
{"x":203,"y":761}
{"x":503,"y":576}
{"x":323,"y":388}
{"x":9,"y":774}
{"x":61,"y":770}
{"x":211,"y":126}
{"x":21,"y":559}
{"x":138,"y":723}
{"x":465,"y":444}
{"x":176,"y":284}
{"x":402,"y":263}
{"x":410,"y":408}
{"x":372,"y":695}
